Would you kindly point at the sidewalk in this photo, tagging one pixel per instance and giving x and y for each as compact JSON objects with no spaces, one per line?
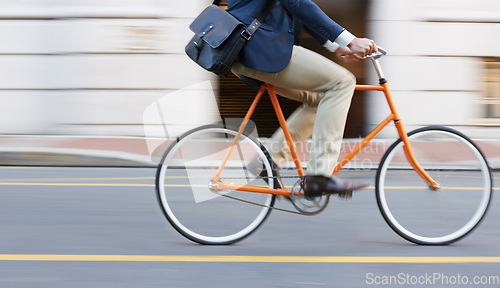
{"x":86,"y":151}
{"x":42,"y":150}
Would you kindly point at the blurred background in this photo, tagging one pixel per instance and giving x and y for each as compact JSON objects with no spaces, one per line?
{"x":93,"y":67}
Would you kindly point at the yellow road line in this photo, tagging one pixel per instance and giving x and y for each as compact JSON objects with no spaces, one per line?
{"x":79,"y":184}
{"x":184,"y":185}
{"x":248,"y":259}
{"x":442,"y":188}
{"x":78,"y":179}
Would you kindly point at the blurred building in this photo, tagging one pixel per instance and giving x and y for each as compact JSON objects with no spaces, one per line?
{"x":95,"y":66}
{"x":444,"y":61}
{"x":92,"y":66}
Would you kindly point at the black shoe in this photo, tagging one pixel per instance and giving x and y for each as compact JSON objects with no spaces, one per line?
{"x":315,"y":186}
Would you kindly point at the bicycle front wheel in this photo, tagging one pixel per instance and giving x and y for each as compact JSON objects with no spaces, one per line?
{"x":417,"y":212}
{"x":213,"y":216}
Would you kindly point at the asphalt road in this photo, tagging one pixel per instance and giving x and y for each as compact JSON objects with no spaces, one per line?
{"x":99,"y":227}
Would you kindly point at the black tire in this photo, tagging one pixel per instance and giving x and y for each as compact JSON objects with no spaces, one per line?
{"x":192,"y":209}
{"x":416,"y":212}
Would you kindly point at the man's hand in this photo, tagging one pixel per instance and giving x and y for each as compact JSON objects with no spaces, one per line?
{"x":362,"y":47}
{"x":346,"y":55}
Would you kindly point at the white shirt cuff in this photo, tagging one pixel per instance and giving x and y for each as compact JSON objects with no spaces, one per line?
{"x":331,"y":46}
{"x":344,"y":38}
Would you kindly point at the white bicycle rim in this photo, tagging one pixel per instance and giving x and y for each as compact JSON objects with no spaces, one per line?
{"x":227,"y":239}
{"x":467,"y":227}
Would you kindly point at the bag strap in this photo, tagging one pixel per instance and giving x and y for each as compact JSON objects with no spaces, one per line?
{"x":257,"y":22}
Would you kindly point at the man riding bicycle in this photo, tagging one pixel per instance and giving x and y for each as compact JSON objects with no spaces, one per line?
{"x":273,"y":56}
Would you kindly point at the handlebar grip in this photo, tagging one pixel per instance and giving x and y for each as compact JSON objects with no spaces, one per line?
{"x":381,"y":52}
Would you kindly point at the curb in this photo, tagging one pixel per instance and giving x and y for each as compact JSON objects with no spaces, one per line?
{"x":72,"y":157}
{"x":132,"y":152}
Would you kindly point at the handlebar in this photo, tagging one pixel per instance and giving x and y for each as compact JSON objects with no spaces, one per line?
{"x":374,"y":57}
{"x":381,"y":52}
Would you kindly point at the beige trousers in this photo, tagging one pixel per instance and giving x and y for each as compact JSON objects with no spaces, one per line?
{"x":326,"y":89}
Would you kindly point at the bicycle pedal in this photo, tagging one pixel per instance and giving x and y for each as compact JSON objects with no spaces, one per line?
{"x":345,"y":195}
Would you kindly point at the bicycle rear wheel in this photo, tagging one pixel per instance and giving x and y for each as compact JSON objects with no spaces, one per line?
{"x":420,"y":214}
{"x":200,"y":214}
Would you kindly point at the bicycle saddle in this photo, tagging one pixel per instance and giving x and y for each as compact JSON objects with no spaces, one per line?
{"x":253,"y":83}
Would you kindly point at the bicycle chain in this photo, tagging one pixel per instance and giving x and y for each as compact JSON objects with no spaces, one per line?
{"x":260,"y":205}
{"x":257,"y":204}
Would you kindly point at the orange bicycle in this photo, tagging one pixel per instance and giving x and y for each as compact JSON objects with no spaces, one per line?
{"x":433,"y":185}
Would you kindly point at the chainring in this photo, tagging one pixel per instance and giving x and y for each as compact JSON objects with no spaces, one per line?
{"x":305,"y":205}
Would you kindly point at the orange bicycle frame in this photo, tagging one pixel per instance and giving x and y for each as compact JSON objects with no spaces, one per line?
{"x":393,"y":117}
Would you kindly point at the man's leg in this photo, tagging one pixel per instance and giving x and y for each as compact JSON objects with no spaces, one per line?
{"x":331,"y":86}
{"x":334,"y":87}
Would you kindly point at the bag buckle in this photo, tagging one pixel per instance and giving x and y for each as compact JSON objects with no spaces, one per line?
{"x":246,"y":35}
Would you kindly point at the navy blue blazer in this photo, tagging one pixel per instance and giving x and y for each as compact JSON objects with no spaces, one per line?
{"x":270,"y":48}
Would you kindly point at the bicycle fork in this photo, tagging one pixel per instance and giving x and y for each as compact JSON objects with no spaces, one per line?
{"x":410,"y":156}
